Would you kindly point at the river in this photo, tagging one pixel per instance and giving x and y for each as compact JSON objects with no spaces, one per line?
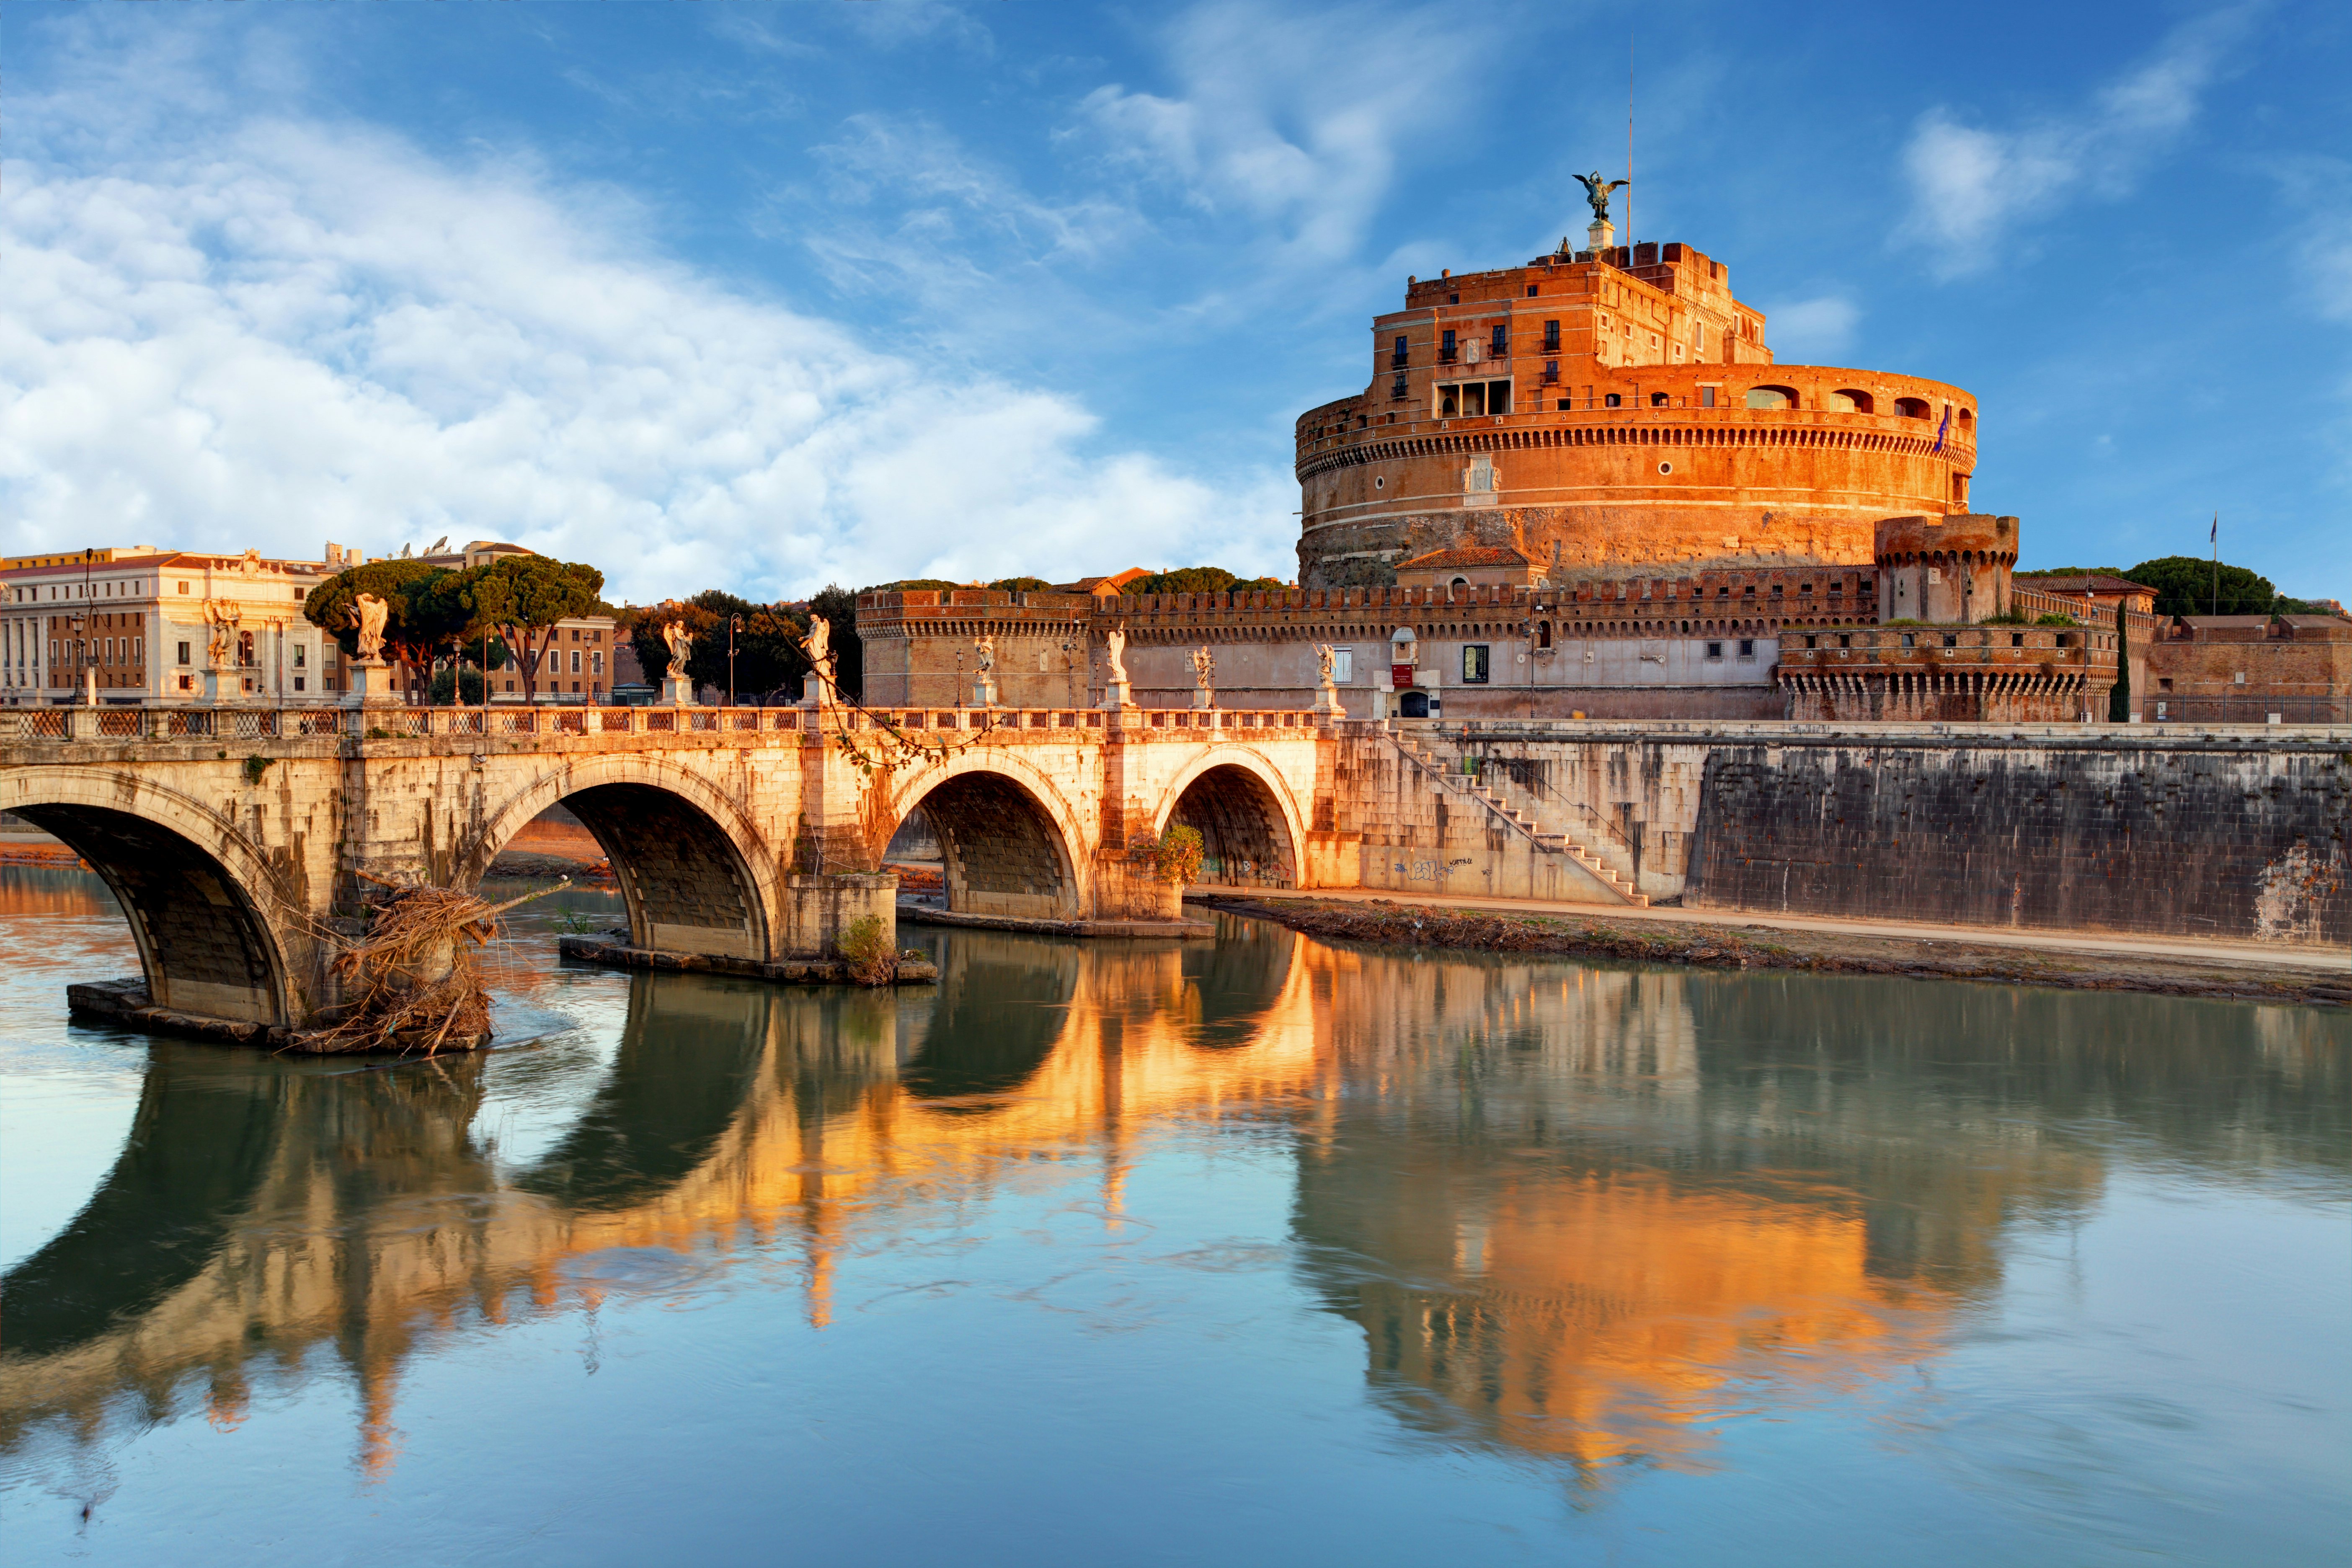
{"x":1253,"y":1251}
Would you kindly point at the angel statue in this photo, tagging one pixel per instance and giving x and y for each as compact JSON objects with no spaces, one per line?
{"x":1204,"y":667}
{"x":1326,"y":664}
{"x":983,"y":653}
{"x":224,"y":618}
{"x":680,"y":642}
{"x":818,"y":644}
{"x":368,"y":614}
{"x":1114,"y":647}
{"x":1597,"y":187}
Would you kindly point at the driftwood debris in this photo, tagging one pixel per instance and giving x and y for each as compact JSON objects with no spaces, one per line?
{"x":414,"y":982}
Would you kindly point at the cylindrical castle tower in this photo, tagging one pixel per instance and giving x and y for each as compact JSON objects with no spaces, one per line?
{"x":1608,"y":415}
{"x":1953,"y":571}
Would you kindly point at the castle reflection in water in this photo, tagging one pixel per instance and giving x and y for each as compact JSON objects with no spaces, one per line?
{"x":1580,"y":1214}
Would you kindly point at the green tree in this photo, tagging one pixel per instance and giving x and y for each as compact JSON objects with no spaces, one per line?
{"x":418,"y":622}
{"x":2185,"y":586}
{"x":1200,"y":580}
{"x":2119,"y":698}
{"x":521,"y":597}
{"x":1021,"y":586}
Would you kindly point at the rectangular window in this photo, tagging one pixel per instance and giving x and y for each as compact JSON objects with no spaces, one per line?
{"x":596,"y":662}
{"x":1552,"y":337}
{"x":184,"y":653}
{"x":1399,"y":355}
{"x":1715,"y":651}
{"x":1474,"y":664}
{"x":1397,"y":390}
{"x":1498,"y":397}
{"x":1473,"y":398}
{"x":1747,"y":647}
{"x":576,"y":659}
{"x":1500,"y":343}
{"x":1445,"y":349}
{"x":183,"y":587}
{"x":138,"y":651}
{"x":298,"y":683}
{"x":1707,"y":397}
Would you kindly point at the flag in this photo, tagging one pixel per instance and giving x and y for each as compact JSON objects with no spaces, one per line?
{"x":2214,"y":539}
{"x":1947,"y":425}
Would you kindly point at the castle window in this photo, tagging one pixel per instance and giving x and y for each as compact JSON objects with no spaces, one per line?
{"x":1446,"y":348}
{"x":1613,"y":400}
{"x":1658,"y":400}
{"x":1812,"y":642}
{"x":1911,"y":408}
{"x":1531,"y":290}
{"x":1910,"y":641}
{"x":2017,"y":639}
{"x":1771,"y":398}
{"x":1707,"y":397}
{"x":1847,"y":400}
{"x":1449,"y":401}
{"x":1474,"y":664}
{"x":1399,"y":355}
{"x":1552,"y":337}
{"x":1500,"y":343}
{"x":1454,"y":299}
{"x":1396,"y":390}
{"x":1951,"y":641}
{"x":1543,"y":634}
{"x":1551,"y":371}
{"x":1715,"y":651}
{"x":1747,"y":647}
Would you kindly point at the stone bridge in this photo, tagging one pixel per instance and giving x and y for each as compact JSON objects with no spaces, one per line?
{"x":235,"y":839}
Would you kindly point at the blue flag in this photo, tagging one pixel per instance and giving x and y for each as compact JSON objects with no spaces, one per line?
{"x":1947,"y":425}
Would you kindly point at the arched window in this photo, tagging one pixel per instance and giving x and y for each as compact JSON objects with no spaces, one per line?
{"x":1772,"y":397}
{"x":1911,"y":408}
{"x":1543,"y":634}
{"x":1851,"y":400}
{"x":1968,"y":423}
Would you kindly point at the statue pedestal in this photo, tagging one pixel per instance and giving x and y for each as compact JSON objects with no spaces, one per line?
{"x":1327,"y":702}
{"x":677,"y":691}
{"x":1602,"y":236}
{"x":983,"y":691}
{"x":1203,"y":697}
{"x":368,"y":684}
{"x":1118,"y":694}
{"x":816,"y":691}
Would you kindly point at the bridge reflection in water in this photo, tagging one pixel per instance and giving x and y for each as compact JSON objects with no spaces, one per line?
{"x":1584,"y":1215}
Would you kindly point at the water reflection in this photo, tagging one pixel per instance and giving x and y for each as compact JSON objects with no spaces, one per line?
{"x":1585,"y":1216}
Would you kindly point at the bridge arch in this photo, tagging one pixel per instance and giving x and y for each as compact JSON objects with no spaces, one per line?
{"x":1006,"y":835}
{"x":697,"y":874}
{"x":205,"y":909}
{"x":1242,"y":809}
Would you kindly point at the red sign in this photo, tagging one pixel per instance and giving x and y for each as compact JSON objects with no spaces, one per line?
{"x":1400,"y":676}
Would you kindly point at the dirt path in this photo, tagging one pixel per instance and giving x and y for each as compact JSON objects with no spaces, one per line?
{"x":2312,"y":975}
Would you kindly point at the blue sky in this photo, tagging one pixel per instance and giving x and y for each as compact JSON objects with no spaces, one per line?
{"x":765,"y":296}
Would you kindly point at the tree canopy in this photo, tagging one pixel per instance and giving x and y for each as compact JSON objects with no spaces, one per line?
{"x":2184,"y":587}
{"x":521,"y":597}
{"x":1021,"y":586}
{"x":1200,"y":580}
{"x":768,"y":658}
{"x":419,"y":619}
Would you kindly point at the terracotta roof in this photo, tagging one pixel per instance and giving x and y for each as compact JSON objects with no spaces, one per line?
{"x":1110,"y":584}
{"x":2079,"y":583}
{"x":1444,"y":560}
{"x":2219,"y":622}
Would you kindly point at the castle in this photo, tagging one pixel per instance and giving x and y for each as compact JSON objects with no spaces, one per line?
{"x":1581,"y":487}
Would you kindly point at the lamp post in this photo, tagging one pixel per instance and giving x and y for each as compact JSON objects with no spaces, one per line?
{"x":733,"y":623}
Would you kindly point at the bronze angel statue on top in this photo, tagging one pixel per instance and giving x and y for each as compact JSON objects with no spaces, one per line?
{"x":1597,"y":189}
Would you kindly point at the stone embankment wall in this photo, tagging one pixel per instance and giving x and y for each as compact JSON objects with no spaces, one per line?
{"x":2243,"y":833}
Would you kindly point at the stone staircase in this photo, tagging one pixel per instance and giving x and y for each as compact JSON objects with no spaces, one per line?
{"x":1434,"y":766}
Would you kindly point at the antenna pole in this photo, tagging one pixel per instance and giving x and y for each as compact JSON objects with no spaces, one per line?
{"x":1629,"y":146}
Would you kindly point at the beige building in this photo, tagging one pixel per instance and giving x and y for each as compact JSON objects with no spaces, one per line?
{"x":145,"y":625}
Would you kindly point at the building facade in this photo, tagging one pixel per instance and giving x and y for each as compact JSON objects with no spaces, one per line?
{"x":150,"y":625}
{"x":1613,"y":413}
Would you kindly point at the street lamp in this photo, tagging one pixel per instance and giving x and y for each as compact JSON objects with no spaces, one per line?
{"x":733,"y":623}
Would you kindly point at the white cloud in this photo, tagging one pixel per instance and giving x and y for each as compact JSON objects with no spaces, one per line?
{"x":307,"y":331}
{"x":1971,"y":186}
{"x":1825,"y":325}
{"x":1294,"y":121}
